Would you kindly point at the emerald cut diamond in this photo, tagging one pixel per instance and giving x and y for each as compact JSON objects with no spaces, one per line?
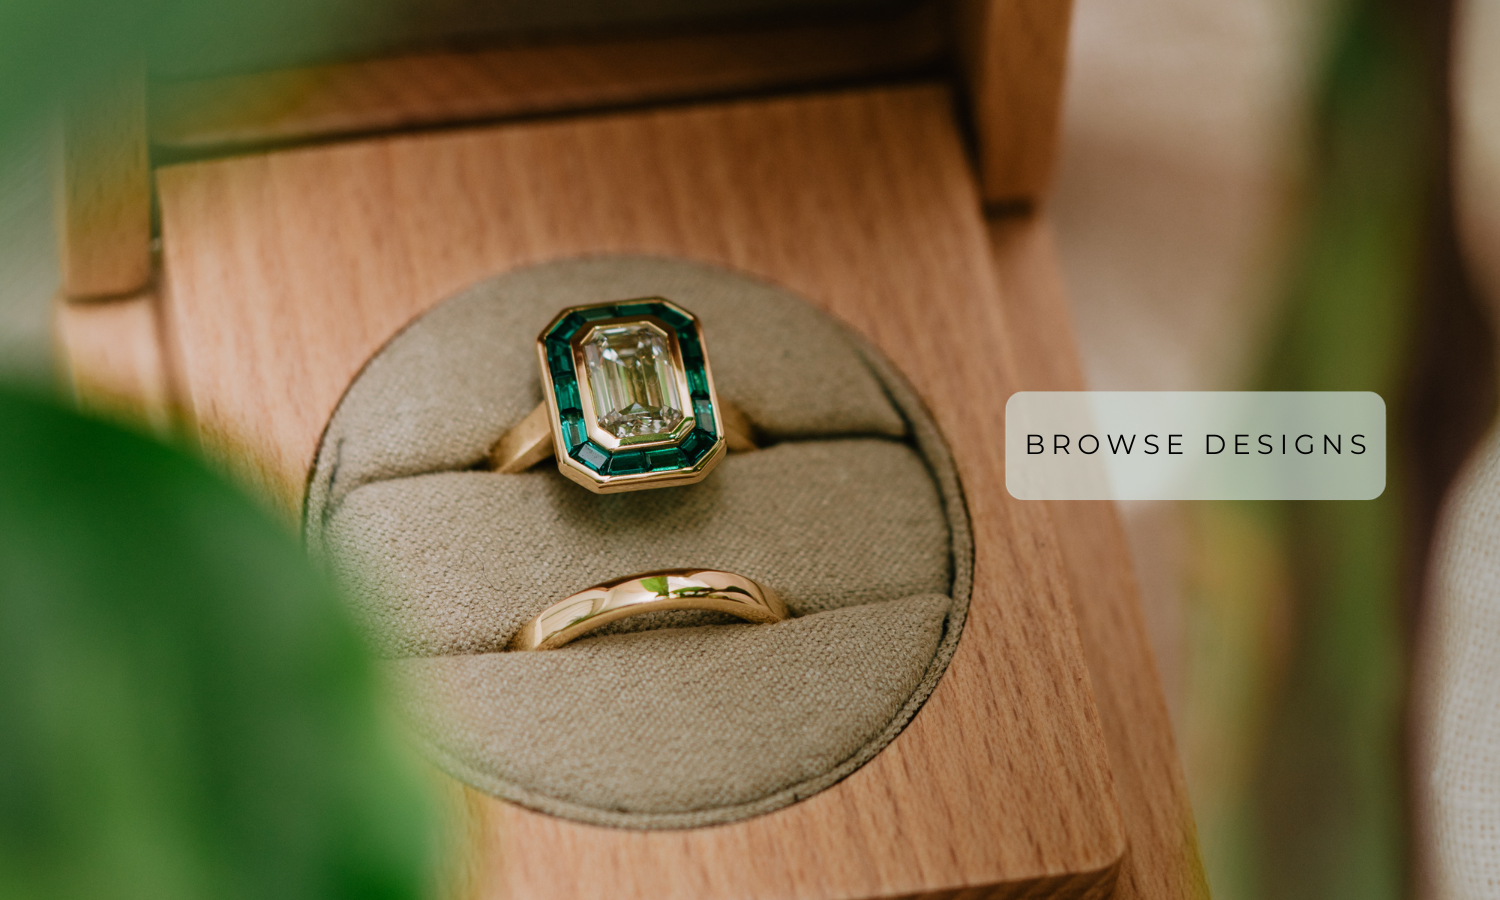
{"x":631,"y":400}
{"x":633,"y":380}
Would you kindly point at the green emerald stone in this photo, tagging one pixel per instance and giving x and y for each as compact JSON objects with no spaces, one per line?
{"x":633,"y":380}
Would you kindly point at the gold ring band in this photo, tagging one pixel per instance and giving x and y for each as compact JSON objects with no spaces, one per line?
{"x":668,"y":589}
{"x":530,"y":441}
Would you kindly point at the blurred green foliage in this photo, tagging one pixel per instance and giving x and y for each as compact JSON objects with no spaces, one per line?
{"x":53,"y":49}
{"x":184,"y":712}
{"x":1322,"y":816}
{"x":1331,"y":791}
{"x":49,"y":48}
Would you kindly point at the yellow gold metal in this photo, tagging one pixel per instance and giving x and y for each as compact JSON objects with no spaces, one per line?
{"x":739,"y":431}
{"x":525,"y":445}
{"x":530,"y":442}
{"x":668,"y":589}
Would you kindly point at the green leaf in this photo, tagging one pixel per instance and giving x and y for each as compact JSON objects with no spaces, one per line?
{"x":185,"y":710}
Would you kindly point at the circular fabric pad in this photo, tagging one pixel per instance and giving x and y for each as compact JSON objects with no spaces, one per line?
{"x":852,"y":513}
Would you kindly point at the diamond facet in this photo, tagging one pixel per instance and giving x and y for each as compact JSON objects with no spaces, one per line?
{"x":633,"y":380}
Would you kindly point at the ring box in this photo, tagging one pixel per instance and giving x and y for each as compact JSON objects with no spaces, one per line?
{"x":283,"y":271}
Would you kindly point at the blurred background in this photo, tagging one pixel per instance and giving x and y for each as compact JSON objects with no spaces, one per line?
{"x":1253,"y":194}
{"x":1260,"y":194}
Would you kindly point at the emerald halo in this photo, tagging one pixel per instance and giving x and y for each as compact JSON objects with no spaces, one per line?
{"x":630,"y":395}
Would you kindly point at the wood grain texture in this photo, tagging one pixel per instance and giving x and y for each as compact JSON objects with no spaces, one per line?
{"x":111,"y":351}
{"x":1163,"y":862}
{"x":288,"y":270}
{"x":104,"y":200}
{"x":405,"y":92}
{"x":1015,"y":56}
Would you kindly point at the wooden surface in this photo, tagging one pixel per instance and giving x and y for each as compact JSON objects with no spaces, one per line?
{"x":111,"y":352}
{"x":104,"y":201}
{"x":288,"y":270}
{"x":1163,"y":862}
{"x":404,"y":92}
{"x":1015,"y":56}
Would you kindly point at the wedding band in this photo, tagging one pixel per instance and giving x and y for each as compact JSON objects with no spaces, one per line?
{"x":628,"y":400}
{"x":669,"y":589}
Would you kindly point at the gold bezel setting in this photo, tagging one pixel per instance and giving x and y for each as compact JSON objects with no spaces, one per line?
{"x":596,"y":432}
{"x":599,"y":460}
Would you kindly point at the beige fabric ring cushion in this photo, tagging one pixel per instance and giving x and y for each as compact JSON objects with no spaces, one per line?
{"x":853,"y":514}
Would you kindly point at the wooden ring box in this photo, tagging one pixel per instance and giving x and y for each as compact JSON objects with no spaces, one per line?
{"x":847,"y":160}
